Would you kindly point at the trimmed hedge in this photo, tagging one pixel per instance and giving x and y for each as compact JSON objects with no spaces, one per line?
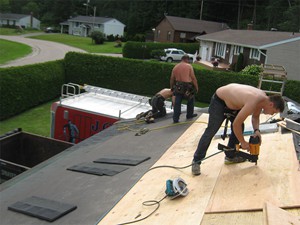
{"x":142,"y":50}
{"x":292,"y":90}
{"x":128,"y":75}
{"x":27,"y":86}
{"x":141,"y":77}
{"x":148,"y":77}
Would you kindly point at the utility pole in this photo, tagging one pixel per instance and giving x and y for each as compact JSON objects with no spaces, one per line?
{"x":239,"y":11}
{"x":87,"y":6}
{"x":201,"y":10}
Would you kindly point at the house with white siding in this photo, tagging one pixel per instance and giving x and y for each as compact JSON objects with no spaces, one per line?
{"x":84,"y":25}
{"x":19,"y":20}
{"x":258,"y":47}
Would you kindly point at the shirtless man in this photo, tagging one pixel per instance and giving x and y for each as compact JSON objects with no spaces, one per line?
{"x":158,"y":106}
{"x":184,"y":82}
{"x":240,"y":101}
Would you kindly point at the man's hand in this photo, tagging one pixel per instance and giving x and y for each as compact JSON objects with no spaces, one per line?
{"x":245,"y":145}
{"x":257,"y":134}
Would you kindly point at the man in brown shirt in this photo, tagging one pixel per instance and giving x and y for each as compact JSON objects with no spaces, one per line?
{"x":185,"y":85}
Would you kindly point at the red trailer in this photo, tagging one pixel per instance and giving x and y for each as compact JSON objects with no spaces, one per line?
{"x":78,"y":116}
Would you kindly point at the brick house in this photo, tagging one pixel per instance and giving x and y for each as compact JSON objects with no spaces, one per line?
{"x":178,"y":29}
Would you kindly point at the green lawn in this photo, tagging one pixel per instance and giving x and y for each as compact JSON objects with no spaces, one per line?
{"x":36,"y":121}
{"x":11,"y":31}
{"x":84,"y":43}
{"x":10,"y":50}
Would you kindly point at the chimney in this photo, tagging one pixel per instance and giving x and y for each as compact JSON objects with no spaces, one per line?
{"x":250,"y":26}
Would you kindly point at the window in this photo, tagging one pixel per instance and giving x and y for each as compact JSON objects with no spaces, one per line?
{"x":238,"y":49}
{"x":182,"y":35}
{"x":76,"y":24}
{"x":220,"y":50}
{"x":254,"y":54}
{"x":169,"y":35}
{"x":157,"y":34}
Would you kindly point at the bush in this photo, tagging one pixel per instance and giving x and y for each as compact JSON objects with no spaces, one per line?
{"x":148,"y":77}
{"x":110,"y":38}
{"x":27,"y":86}
{"x":141,"y":77}
{"x":142,"y":50}
{"x":253,"y":70}
{"x":292,"y":90}
{"x":157,"y":53}
{"x":98,"y":37}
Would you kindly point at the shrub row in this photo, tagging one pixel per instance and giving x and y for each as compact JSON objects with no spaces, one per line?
{"x":148,"y":77}
{"x":27,"y":86}
{"x":141,"y":77}
{"x":142,"y":50}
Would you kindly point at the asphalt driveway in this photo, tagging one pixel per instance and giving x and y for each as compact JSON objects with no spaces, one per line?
{"x":42,"y":51}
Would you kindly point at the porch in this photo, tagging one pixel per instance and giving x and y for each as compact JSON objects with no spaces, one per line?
{"x":214,"y":65}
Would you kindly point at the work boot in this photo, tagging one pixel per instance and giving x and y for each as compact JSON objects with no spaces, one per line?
{"x":149,"y":120}
{"x":149,"y":115}
{"x":236,"y":159}
{"x":194,"y":115}
{"x":195,"y":168}
{"x":140,"y":115}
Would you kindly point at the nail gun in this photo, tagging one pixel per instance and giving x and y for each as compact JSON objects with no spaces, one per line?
{"x":254,"y":143}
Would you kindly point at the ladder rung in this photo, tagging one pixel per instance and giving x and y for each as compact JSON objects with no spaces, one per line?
{"x":273,"y":81}
{"x":272,"y":92}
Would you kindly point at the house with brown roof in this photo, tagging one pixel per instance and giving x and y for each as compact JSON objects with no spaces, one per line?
{"x":178,"y":29}
{"x":258,"y":47}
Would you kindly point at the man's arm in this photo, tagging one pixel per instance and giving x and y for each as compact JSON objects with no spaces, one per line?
{"x":194,"y":79}
{"x":172,"y":80}
{"x":255,"y":123}
{"x":239,"y":120}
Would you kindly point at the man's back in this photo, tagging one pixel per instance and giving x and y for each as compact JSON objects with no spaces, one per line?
{"x":182,"y":72}
{"x":238,"y":95}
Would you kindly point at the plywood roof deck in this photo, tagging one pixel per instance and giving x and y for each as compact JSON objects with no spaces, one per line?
{"x":222,"y":194}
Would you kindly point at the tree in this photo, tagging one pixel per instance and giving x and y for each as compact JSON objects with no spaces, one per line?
{"x":31,"y":7}
{"x":4,"y":6}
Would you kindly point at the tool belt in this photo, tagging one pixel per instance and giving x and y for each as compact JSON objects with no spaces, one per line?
{"x":184,"y":88}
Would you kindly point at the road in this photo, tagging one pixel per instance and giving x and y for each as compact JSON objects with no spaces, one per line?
{"x":42,"y":51}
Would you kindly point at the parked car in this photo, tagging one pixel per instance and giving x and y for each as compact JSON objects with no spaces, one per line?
{"x":52,"y":30}
{"x":174,"y":54}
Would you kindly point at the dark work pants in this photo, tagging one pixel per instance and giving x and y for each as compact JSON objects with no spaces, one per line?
{"x":216,"y":111}
{"x":158,"y":106}
{"x":177,"y":107}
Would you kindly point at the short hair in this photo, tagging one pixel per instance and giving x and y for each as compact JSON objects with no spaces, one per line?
{"x":278,"y":102}
{"x":185,"y":57}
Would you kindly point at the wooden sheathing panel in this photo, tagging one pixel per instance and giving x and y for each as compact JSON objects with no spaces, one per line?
{"x":273,"y":215}
{"x":182,"y":210}
{"x":275,"y":179}
{"x":241,"y":218}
